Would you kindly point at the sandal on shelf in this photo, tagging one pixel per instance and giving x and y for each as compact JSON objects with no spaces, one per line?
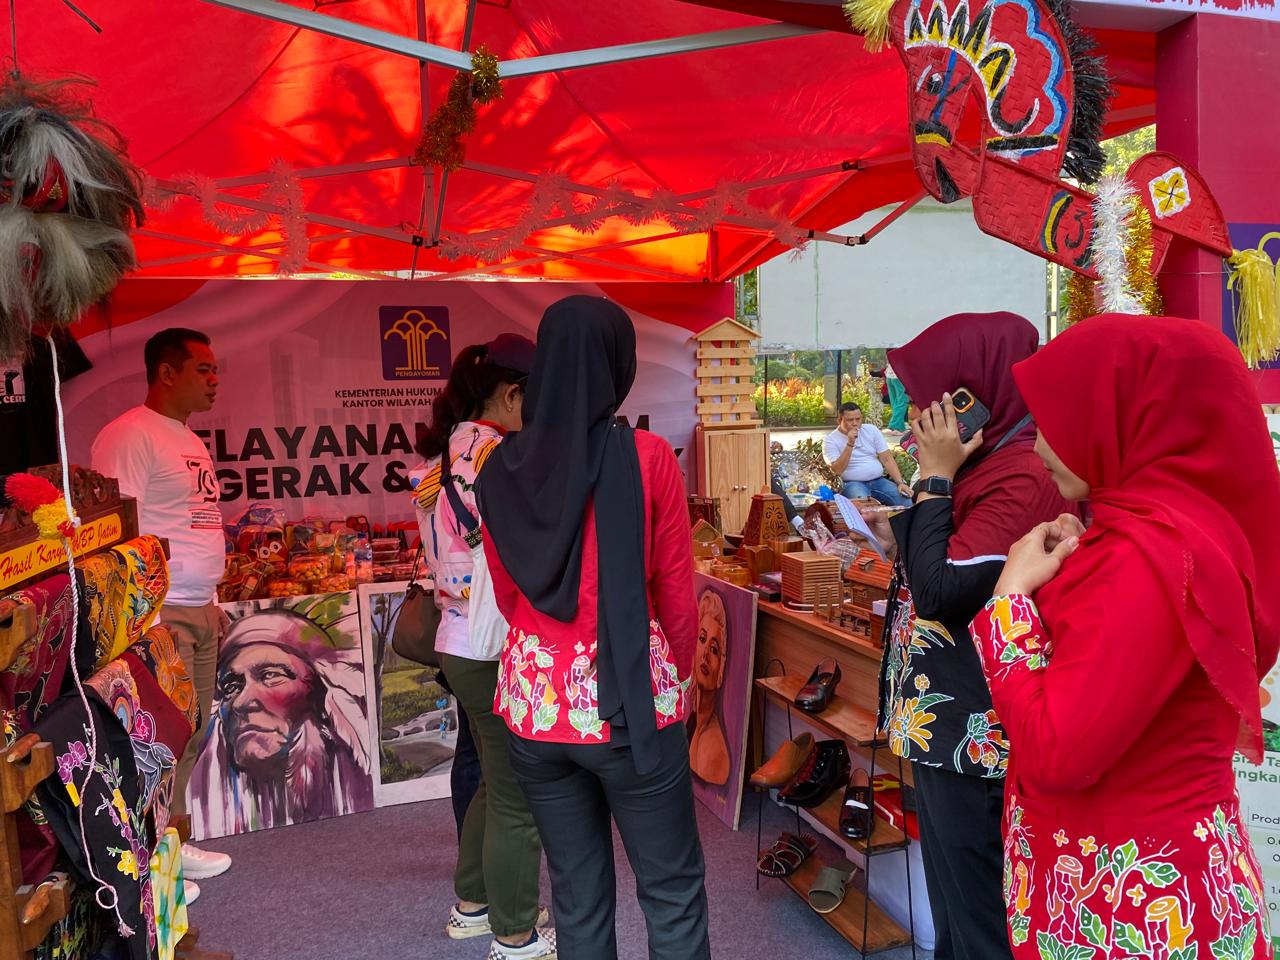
{"x":855,"y":811}
{"x":828,"y":890}
{"x":785,"y":856}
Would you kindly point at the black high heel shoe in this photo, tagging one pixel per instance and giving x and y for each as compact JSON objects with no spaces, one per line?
{"x":815,"y":696}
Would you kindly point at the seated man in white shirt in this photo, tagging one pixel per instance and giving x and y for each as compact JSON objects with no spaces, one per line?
{"x":161,"y":462}
{"x":858,"y":452}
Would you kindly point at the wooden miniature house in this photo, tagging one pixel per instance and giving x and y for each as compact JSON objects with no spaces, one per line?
{"x":732,"y":451}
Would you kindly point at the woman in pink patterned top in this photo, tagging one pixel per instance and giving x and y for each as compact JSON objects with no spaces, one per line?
{"x":587,"y":538}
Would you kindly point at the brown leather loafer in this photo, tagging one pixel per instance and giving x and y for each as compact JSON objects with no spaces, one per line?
{"x":785,"y":762}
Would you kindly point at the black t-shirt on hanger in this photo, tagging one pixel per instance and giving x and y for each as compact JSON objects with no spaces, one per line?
{"x":28,"y":414}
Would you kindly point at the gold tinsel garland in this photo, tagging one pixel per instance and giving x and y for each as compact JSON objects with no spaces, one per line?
{"x":443,"y":143}
{"x":1138,"y":256}
{"x":1081,"y":293}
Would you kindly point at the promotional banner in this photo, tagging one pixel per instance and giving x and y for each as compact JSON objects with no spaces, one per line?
{"x":1260,"y":799}
{"x":323,"y":383}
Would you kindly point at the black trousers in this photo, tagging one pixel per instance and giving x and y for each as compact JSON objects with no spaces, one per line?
{"x":960,"y":840}
{"x":573,"y":790}
{"x":464,"y":775}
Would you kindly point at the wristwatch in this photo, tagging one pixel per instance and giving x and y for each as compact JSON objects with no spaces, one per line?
{"x":938,"y":486}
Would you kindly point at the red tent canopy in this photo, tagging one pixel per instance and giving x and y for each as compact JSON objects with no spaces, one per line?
{"x":288,"y":143}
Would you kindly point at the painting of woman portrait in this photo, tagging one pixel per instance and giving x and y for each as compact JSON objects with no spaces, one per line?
{"x":720,"y":693}
{"x":708,"y":750}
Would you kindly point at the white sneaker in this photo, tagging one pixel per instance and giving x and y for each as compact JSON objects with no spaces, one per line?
{"x":464,"y":926}
{"x":191,"y":891}
{"x":200,"y":864}
{"x":542,"y":948}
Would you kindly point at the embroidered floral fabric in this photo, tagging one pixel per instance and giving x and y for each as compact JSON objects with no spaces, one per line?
{"x":936,"y":714}
{"x":1111,"y":871}
{"x":1194,"y":893}
{"x":115,"y":829}
{"x":541,"y":698}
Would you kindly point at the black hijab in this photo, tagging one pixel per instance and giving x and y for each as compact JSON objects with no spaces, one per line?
{"x":534,"y":490}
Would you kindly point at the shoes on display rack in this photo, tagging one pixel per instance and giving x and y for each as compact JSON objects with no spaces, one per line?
{"x":200,"y":864}
{"x":786,"y":855}
{"x":464,"y":926}
{"x":815,"y":696}
{"x":828,"y":889}
{"x":784,"y":764}
{"x":541,"y":947}
{"x":855,"y":812}
{"x":827,"y":768}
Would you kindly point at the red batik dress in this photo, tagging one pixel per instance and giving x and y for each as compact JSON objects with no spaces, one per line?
{"x":1123,"y":836}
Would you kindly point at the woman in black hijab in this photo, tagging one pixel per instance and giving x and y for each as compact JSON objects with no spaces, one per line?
{"x":587,"y":538}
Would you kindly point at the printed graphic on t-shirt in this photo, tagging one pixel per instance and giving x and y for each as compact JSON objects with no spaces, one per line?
{"x":13,"y":385}
{"x":204,"y":497}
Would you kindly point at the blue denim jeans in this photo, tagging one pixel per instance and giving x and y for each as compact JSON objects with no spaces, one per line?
{"x":882,"y":489}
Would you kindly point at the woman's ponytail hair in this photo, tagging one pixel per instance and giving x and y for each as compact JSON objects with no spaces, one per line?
{"x":471,"y":383}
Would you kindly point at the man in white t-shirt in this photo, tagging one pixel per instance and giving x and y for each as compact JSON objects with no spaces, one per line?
{"x":167,"y":468}
{"x":858,"y":452}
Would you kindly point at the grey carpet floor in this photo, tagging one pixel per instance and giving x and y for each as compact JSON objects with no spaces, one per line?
{"x":377,"y":886}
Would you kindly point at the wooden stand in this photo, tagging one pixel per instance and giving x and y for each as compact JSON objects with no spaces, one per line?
{"x":796,"y":641}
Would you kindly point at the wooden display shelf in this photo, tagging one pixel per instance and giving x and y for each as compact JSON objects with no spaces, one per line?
{"x":841,"y":719}
{"x":822,"y":628}
{"x":826,"y":816}
{"x":847,"y":919}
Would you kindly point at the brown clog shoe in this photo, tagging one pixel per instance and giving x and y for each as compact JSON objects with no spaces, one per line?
{"x":784,"y":764}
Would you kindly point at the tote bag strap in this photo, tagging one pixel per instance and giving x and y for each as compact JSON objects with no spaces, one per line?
{"x":469,"y":523}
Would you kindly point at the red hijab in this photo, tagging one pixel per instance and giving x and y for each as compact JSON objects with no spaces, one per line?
{"x":1158,"y":415}
{"x":974,"y":350}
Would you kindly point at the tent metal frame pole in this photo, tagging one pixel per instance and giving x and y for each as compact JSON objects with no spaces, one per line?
{"x":623,"y":53}
{"x":543,"y":258}
{"x":893,"y":215}
{"x":510,"y":69}
{"x":602,"y":261}
{"x":438,"y":221}
{"x":252,"y":248}
{"x":218,"y":249}
{"x":428,"y":175}
{"x":346,"y":30}
{"x":314,"y":173}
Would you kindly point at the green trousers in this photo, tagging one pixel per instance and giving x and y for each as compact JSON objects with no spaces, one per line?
{"x":499,"y":854}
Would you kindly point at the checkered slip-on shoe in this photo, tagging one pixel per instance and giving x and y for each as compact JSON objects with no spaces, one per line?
{"x":464,"y":926}
{"x":542,"y":948}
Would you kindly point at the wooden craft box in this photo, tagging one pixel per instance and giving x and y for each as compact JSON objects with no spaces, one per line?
{"x":803,"y":573}
{"x":868,"y":578}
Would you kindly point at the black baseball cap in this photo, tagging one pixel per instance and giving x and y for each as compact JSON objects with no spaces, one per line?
{"x":512,"y":351}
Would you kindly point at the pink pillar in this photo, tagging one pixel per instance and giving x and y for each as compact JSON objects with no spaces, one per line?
{"x":1217,"y":109}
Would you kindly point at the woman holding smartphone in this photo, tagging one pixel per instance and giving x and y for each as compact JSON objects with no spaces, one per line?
{"x":975,"y":498}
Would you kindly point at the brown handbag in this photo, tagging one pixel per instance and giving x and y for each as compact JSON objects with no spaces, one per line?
{"x":414,"y":637}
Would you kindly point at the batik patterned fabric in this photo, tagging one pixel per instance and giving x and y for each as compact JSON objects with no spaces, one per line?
{"x":540,"y":700}
{"x":105,"y":588}
{"x":1114,"y":871}
{"x":98,"y":787}
{"x":146,"y":581}
{"x":158,"y":731}
{"x":158,"y":652}
{"x":935,"y":714}
{"x":28,"y":687}
{"x":170,"y":900}
{"x":76,"y":935}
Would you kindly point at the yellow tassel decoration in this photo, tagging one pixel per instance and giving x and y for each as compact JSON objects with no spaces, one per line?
{"x":53,"y":520}
{"x":871,"y":19}
{"x":1255,"y":282}
{"x":1081,"y":303}
{"x":1138,"y":257}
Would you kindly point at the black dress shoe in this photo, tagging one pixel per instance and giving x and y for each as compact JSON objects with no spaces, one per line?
{"x":827,"y":768}
{"x":855,"y":812}
{"x":815,"y":696}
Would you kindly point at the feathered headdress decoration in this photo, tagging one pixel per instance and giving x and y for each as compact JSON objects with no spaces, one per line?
{"x":1084,"y":159}
{"x":68,"y":198}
